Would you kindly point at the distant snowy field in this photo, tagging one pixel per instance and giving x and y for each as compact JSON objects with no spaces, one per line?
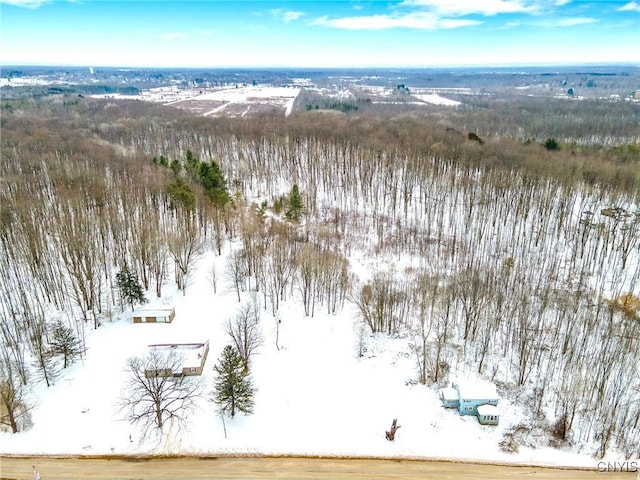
{"x":314,"y":395}
{"x":422,"y":95}
{"x":234,"y":101}
{"x":27,"y":82}
{"x":244,"y":99}
{"x":282,"y":97}
{"x":436,"y":99}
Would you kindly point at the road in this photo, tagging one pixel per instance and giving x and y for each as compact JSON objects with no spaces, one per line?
{"x":137,"y":468}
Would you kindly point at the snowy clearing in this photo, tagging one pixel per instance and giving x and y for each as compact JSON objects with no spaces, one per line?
{"x":314,"y":396}
{"x":436,"y":99}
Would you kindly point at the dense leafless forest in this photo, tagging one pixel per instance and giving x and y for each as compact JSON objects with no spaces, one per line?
{"x":497,"y":254}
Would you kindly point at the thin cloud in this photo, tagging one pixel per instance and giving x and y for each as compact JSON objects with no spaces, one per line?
{"x":25,"y":3}
{"x":454,"y":23}
{"x":289,"y":16}
{"x":568,"y":22}
{"x":472,"y":7}
{"x":443,"y":14}
{"x":509,"y":25}
{"x":630,"y":7}
{"x":417,"y":20}
{"x":286,"y":15}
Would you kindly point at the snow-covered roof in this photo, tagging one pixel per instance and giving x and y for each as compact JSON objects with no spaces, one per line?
{"x":448,"y":393}
{"x":152,"y":312}
{"x":476,"y":390}
{"x":488,"y":410}
{"x":190,"y":353}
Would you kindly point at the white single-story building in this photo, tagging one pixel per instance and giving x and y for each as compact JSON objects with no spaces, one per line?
{"x":488,"y":415}
{"x":472,"y":394}
{"x":470,"y":398}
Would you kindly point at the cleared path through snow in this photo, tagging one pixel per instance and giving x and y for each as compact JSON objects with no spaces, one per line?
{"x":114,"y":468}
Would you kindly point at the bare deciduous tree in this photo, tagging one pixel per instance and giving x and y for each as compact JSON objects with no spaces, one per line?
{"x":158,"y":262}
{"x":254,"y":245}
{"x":244,"y":330}
{"x":383,"y":303}
{"x":213,"y":277}
{"x":44,"y":358}
{"x":153,"y":394}
{"x":185,"y":246}
{"x":420,"y":346}
{"x":442,"y":336}
{"x":14,"y":343}
{"x":79,"y":246}
{"x":278,"y":265}
{"x":14,"y":408}
{"x":236,"y":272}
{"x":307,"y":262}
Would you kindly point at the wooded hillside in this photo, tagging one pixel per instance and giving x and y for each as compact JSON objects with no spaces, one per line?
{"x":512,"y":260}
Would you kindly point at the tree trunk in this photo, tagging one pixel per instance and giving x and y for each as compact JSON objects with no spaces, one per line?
{"x":159,"y":420}
{"x":391,"y":434}
{"x":11,"y":416}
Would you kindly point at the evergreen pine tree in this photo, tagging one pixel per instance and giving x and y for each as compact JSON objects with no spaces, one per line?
{"x":131,"y":290}
{"x":551,"y":144}
{"x":213,"y":181}
{"x":233,"y":388}
{"x":191,"y":164}
{"x":296,"y":206}
{"x":181,"y":194}
{"x":175,"y":167}
{"x":65,"y":343}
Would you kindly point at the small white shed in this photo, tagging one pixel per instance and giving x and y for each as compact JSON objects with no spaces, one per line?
{"x":154,"y":315}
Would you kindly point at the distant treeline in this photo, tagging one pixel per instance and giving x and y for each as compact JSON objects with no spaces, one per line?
{"x":23,"y":92}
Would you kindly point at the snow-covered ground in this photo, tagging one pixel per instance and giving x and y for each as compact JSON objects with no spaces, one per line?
{"x":314,"y":395}
{"x":282,"y":97}
{"x":436,"y":99}
{"x":431,"y":96}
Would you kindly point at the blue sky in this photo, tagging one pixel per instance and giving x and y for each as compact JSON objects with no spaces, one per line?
{"x":338,"y":33}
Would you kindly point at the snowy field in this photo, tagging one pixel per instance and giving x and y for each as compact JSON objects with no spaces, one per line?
{"x":419,"y":95}
{"x":279,"y":97}
{"x":314,"y":395}
{"x":243,"y":100}
{"x":228,"y":101}
{"x":436,"y":99}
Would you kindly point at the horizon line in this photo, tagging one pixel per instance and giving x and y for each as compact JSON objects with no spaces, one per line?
{"x":324,"y":67}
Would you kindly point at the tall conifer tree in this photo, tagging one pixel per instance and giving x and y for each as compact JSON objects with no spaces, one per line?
{"x":233,"y":389}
